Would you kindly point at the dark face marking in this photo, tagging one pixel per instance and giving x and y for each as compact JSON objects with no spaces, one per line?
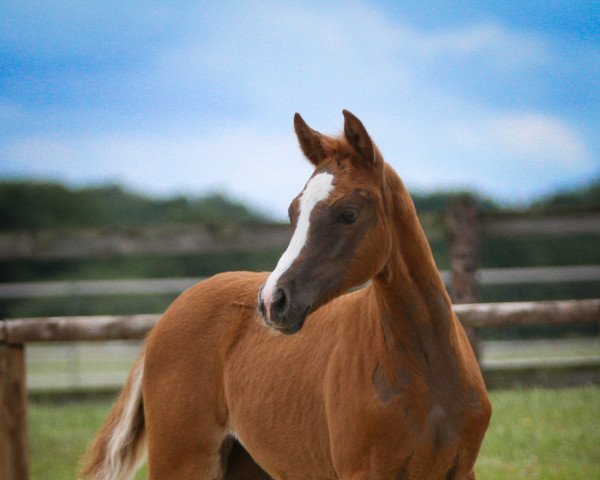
{"x":327,"y":265}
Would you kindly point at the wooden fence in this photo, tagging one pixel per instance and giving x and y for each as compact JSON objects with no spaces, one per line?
{"x":463,"y":229}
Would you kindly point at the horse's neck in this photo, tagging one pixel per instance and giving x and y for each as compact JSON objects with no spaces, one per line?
{"x":412,"y":302}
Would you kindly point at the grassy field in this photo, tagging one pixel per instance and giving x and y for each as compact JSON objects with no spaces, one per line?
{"x":534,"y":434}
{"x":543,"y":434}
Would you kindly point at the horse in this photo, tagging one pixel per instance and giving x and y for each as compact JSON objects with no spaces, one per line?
{"x":346,"y":362}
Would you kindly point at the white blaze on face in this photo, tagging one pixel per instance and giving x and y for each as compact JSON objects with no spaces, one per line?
{"x":317,"y":189}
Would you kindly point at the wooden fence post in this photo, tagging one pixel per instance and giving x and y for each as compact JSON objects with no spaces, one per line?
{"x":462,"y":228}
{"x":14,"y":449}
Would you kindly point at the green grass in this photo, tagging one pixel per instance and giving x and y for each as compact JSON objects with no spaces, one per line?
{"x":59,"y":434}
{"x":534,"y":434}
{"x":543,"y":434}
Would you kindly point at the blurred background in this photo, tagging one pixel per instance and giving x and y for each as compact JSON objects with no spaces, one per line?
{"x":145,"y":146}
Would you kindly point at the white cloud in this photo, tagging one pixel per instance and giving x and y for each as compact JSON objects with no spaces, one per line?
{"x":532,"y":137}
{"x":278,"y":54}
{"x":489,"y":42}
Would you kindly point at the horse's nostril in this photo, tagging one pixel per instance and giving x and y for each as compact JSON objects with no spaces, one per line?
{"x":279,"y":302}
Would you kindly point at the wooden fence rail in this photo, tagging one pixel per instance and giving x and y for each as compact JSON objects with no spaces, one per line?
{"x":76,"y":329}
{"x":511,"y":314}
{"x":130,"y":327}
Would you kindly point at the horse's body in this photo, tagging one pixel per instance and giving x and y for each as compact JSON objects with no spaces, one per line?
{"x":380,"y":383}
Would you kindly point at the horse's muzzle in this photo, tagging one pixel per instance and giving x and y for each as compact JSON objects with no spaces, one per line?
{"x":282,"y":314}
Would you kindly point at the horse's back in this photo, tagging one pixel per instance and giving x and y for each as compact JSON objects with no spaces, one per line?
{"x":193,"y":331}
{"x":209,"y":307}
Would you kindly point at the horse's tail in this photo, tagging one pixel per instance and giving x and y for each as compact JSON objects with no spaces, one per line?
{"x":119,"y":447}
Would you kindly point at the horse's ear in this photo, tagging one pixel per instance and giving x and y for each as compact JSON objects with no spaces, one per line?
{"x":357,"y":136}
{"x":310,"y":140}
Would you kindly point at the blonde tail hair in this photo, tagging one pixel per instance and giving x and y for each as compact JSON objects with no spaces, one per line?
{"x":119,"y":448}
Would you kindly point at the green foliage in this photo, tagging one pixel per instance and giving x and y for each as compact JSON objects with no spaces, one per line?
{"x":575,"y":200}
{"x":539,"y":250}
{"x":92,"y":305}
{"x":581,"y":199}
{"x":438,"y":202}
{"x":30,"y":205}
{"x":37,"y":206}
{"x":155,"y":266}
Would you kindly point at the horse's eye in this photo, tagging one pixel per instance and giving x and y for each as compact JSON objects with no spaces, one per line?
{"x":349,"y":216}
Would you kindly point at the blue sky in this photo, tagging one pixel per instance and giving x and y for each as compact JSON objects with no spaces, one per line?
{"x":189,"y":97}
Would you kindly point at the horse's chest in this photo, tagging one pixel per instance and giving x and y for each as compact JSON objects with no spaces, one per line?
{"x":422,"y":414}
{"x":399,"y":438}
{"x":396,"y":419}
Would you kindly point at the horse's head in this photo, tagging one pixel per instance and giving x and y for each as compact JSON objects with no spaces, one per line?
{"x":341,"y":237}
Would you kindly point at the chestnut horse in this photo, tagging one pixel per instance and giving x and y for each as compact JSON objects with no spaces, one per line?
{"x":288,"y":376}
